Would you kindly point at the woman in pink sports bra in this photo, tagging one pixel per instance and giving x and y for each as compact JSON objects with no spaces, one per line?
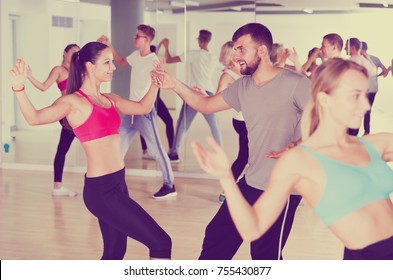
{"x":94,"y":117}
{"x":59,"y":74}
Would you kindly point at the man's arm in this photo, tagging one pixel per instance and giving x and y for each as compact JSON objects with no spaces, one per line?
{"x":292,"y":56}
{"x":315,"y":54}
{"x":200,"y":102}
{"x":384,"y":71}
{"x":168,"y":58}
{"x":120,"y":60}
{"x":193,"y":97}
{"x":52,"y":77}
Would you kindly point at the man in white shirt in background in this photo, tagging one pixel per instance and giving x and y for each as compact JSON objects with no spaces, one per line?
{"x":353,"y":47}
{"x":373,"y":84}
{"x":142,"y":62}
{"x":202,"y":64}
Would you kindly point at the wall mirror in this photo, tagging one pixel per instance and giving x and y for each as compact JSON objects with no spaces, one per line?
{"x":221,"y":18}
{"x":39,"y":31}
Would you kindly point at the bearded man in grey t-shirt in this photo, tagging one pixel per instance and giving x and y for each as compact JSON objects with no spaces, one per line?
{"x":272,"y":101}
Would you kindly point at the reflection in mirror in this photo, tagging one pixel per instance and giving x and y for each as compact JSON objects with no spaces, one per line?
{"x":57,"y":23}
{"x":219,"y":20}
{"x":39,"y":31}
{"x":65,"y":22}
{"x":170,"y":26}
{"x":348,"y":23}
{"x":138,"y":156}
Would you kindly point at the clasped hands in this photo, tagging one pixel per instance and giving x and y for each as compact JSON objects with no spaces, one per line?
{"x":160,"y":78}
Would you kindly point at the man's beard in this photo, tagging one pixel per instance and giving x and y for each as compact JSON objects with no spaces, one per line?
{"x":250,"y":69}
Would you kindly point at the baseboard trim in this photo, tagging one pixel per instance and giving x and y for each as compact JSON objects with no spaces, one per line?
{"x":82,"y":169}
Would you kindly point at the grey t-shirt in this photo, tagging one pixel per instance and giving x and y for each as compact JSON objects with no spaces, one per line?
{"x":272,"y":114}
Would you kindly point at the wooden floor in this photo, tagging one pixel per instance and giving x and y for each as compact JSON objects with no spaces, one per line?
{"x":34,"y":225}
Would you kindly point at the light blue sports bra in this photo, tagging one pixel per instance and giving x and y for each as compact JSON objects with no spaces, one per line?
{"x":350,"y":187}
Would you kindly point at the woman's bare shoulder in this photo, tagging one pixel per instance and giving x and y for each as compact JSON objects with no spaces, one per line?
{"x":70,"y":98}
{"x":296,"y":160}
{"x":115,"y":97}
{"x":378,"y":138}
{"x":383,"y":141}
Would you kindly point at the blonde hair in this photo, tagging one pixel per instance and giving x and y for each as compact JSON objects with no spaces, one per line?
{"x":226,"y":54}
{"x":325,"y":79}
{"x":274,"y":52}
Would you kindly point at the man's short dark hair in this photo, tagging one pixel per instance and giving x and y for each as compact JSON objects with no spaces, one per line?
{"x":147,"y":30}
{"x":205,"y":36}
{"x":335,"y":40}
{"x":260,"y":34}
{"x":364,"y":46}
{"x":355,"y":42}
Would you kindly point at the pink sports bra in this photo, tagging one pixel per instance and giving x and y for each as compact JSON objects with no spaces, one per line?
{"x":101,"y":122}
{"x":62,"y":85}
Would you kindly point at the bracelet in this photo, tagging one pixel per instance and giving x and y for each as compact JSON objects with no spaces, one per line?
{"x":18,"y":90}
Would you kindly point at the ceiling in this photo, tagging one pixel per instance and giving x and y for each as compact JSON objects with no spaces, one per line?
{"x":264,"y":6}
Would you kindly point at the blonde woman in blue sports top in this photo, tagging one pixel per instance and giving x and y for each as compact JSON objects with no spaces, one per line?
{"x":345,"y":179}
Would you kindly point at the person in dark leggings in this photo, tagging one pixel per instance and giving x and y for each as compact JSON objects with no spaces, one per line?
{"x":230,"y":74}
{"x":59,"y":74}
{"x":373,"y":83}
{"x":242,"y":156}
{"x":66,"y":138}
{"x":353,"y":47}
{"x":163,"y":113}
{"x":202,"y":64}
{"x":345,"y":179}
{"x":94,"y":118}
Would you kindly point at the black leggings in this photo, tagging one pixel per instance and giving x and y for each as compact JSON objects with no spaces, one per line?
{"x":66,"y":138}
{"x":163,"y":113}
{"x":382,"y":250}
{"x":242,"y":156}
{"x":367,"y":116}
{"x":222,"y":240}
{"x":119,"y":216}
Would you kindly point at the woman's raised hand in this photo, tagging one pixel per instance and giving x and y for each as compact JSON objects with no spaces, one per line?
{"x":161,"y":78}
{"x":18,"y":74}
{"x":29,"y":72}
{"x":159,"y":65}
{"x":213,"y":161}
{"x":104,"y":40}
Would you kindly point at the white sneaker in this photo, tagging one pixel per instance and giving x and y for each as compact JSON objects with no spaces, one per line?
{"x":148,"y":156}
{"x":63,"y":191}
